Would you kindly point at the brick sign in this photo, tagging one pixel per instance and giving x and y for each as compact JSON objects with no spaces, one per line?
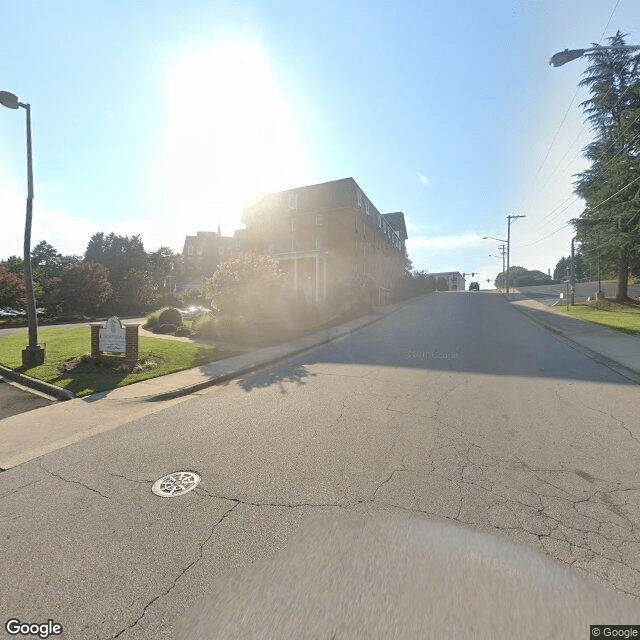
{"x":112,"y":336}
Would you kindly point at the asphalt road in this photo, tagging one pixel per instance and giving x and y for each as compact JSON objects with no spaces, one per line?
{"x":14,"y":400}
{"x":497,"y":465}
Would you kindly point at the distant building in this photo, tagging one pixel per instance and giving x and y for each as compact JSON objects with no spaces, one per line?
{"x":455,"y":280}
{"x":203,"y":253}
{"x":329,"y":233}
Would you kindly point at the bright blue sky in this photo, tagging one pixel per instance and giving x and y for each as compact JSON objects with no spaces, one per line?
{"x":165,"y":118}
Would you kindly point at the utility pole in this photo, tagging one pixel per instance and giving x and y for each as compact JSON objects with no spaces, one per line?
{"x":503,"y":253}
{"x":509,"y":218}
{"x":573,"y":272}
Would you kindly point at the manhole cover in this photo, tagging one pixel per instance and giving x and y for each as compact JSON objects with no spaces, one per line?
{"x":176,"y":484}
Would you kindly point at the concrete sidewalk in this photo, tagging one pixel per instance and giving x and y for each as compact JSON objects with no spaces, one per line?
{"x":30,"y":435}
{"x":617,"y":350}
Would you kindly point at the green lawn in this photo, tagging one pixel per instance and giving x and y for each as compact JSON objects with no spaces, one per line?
{"x":621,"y":317}
{"x":64,"y":344}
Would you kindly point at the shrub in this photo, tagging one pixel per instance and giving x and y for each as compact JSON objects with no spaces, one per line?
{"x":152,"y":321}
{"x":183,"y":332}
{"x":231,"y":328}
{"x":170,"y":316}
{"x":205,"y":327}
{"x":167,"y":328}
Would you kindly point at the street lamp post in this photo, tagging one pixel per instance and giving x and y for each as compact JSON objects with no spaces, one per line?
{"x":34,"y":354}
{"x":558,"y":59}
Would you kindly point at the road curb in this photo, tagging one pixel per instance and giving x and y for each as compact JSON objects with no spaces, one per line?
{"x":34,"y":383}
{"x":225,"y":377}
{"x":633,"y":375}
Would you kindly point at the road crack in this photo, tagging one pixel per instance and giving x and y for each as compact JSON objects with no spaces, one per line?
{"x":82,"y":484}
{"x":179,"y":576}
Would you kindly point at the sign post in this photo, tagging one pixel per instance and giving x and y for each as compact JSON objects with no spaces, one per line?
{"x":113,"y":337}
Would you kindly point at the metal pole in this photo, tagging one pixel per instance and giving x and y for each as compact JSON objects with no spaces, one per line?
{"x":573,"y":272}
{"x":509,"y":245}
{"x":28,"y":278}
{"x":34,"y":354}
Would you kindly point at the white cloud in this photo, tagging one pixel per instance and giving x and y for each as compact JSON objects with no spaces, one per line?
{"x":424,"y":181}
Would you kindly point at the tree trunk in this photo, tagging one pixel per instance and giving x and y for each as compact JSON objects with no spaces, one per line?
{"x":623,"y":277}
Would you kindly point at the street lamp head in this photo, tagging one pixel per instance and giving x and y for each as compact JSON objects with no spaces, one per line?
{"x":558,"y":59}
{"x":9,"y":100}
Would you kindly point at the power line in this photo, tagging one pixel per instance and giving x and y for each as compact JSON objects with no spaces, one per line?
{"x":590,"y":210}
{"x":528,"y":244}
{"x":572,"y":100}
{"x":599,"y":173}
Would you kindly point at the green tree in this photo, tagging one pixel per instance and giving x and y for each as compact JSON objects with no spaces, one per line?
{"x":12,"y":289}
{"x":137,"y":292}
{"x":14,"y":265}
{"x":563,"y":268}
{"x":610,"y":186}
{"x":247,"y":285}
{"x":163,"y":264}
{"x":85,"y":288}
{"x":119,"y":254}
{"x":47,"y":258}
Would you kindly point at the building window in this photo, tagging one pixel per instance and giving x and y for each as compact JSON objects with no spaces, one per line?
{"x":294,"y":225}
{"x":366,"y":207}
{"x":221,"y":251}
{"x":318,"y":243}
{"x":272,"y":248}
{"x":356,"y":246}
{"x":190,"y":251}
{"x":293,"y":201}
{"x":360,"y":199}
{"x":320,"y":220}
{"x":355,"y":219}
{"x":199,"y":251}
{"x":294,"y":245}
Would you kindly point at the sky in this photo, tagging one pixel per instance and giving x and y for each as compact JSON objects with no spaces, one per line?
{"x":163,"y":119}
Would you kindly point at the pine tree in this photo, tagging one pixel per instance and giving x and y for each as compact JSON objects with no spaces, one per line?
{"x":610,"y":223}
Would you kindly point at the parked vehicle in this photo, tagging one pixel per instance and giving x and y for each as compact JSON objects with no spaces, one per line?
{"x":474,"y":286}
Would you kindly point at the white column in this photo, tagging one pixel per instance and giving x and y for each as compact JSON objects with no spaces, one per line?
{"x":324,"y":281}
{"x":295,"y":274}
{"x":317,"y":277}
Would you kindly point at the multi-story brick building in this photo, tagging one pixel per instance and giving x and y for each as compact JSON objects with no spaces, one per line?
{"x":203,"y":252}
{"x":326,"y":234}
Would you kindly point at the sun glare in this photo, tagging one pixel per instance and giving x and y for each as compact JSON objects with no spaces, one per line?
{"x":230,"y":135}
